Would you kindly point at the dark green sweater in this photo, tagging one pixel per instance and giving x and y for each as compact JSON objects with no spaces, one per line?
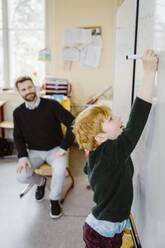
{"x":110,"y":169}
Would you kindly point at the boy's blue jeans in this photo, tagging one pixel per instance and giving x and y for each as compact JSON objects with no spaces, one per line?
{"x":95,"y":240}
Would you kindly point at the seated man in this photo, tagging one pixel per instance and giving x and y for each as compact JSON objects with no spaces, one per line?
{"x":38,"y":137}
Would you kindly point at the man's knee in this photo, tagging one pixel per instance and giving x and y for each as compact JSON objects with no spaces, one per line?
{"x":23,"y":177}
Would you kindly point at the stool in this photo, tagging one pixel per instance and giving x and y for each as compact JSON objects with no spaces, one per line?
{"x":46,"y":170}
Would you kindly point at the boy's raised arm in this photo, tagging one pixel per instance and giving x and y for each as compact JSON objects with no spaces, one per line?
{"x":150,"y":64}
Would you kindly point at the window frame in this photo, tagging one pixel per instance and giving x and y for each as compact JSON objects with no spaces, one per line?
{"x":6,"y":43}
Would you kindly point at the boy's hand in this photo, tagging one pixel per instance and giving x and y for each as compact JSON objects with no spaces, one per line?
{"x":23,"y":164}
{"x":150,"y":61}
{"x":150,"y":66}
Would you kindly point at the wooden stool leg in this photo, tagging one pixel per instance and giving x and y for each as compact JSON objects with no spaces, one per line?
{"x":2,"y":119}
{"x":71,"y":185}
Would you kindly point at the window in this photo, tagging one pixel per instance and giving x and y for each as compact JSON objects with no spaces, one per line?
{"x":22,"y":26}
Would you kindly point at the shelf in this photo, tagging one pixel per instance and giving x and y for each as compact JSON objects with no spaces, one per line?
{"x":7,"y":124}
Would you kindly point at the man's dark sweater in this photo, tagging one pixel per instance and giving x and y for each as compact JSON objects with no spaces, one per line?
{"x":110,"y":169}
{"x":40,"y":128}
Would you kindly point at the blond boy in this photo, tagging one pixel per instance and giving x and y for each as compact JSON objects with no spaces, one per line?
{"x":109,"y":166}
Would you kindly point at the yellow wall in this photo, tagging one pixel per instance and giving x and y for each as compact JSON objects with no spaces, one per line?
{"x":78,"y":13}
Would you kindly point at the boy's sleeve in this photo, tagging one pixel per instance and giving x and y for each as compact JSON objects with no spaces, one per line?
{"x":126,"y":142}
{"x":85,"y":169}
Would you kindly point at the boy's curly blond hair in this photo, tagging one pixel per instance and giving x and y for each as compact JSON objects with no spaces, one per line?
{"x":88,"y":124}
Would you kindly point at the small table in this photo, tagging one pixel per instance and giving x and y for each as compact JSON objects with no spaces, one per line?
{"x":4,"y":124}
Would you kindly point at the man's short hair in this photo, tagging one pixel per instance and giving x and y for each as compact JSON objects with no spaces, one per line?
{"x":88,"y":124}
{"x":22,"y":79}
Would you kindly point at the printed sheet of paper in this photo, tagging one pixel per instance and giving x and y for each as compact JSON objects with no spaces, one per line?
{"x":74,"y":36}
{"x":96,"y":41}
{"x":70,"y":54}
{"x":90,"y":55}
{"x":44,"y":54}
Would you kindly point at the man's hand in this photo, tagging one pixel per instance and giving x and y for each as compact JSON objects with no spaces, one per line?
{"x":23,"y":164}
{"x":57,"y":154}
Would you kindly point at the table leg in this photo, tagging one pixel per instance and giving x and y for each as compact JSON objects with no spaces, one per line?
{"x":2,"y":119}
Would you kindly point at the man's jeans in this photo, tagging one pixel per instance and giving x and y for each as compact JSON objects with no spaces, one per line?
{"x":58,"y":165}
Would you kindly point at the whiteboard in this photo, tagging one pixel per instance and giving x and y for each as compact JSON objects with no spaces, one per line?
{"x":124,"y":45}
{"x":149,"y":156}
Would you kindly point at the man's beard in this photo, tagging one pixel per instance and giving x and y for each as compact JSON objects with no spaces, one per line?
{"x":30,"y":99}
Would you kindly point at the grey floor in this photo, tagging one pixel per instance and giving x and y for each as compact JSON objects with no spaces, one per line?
{"x":25,"y":223}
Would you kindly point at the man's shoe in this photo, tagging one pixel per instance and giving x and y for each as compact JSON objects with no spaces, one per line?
{"x":40,"y":191}
{"x":55,"y":209}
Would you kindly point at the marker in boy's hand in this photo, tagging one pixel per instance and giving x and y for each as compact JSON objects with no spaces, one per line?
{"x":109,"y":166}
